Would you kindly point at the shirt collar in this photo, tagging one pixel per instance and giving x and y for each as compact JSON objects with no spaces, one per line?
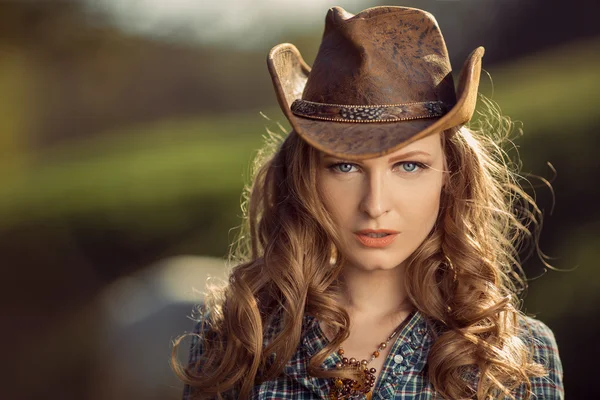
{"x":415,"y":334}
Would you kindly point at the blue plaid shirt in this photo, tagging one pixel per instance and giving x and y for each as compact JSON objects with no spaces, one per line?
{"x":404,"y":374}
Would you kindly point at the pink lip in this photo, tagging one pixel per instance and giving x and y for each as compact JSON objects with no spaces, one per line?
{"x":376,"y":242}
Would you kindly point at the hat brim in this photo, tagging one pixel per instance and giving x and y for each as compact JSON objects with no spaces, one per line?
{"x":354,"y":141}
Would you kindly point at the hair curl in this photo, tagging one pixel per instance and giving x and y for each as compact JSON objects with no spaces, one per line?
{"x":465,"y":278}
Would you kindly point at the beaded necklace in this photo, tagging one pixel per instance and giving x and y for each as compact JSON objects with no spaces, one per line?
{"x":346,"y":388}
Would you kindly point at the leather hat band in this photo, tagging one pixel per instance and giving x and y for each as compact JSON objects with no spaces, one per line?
{"x":368,"y":113}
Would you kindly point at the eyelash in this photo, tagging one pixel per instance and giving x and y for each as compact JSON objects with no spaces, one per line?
{"x":421,"y":166}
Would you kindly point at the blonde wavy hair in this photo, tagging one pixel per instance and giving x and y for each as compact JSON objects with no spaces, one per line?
{"x":465,"y":278}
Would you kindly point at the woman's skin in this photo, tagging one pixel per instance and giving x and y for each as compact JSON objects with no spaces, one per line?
{"x":399,"y":192}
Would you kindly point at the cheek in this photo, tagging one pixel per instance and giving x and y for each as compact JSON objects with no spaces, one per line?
{"x":342,"y":200}
{"x":422,"y":206}
{"x":334,"y":200}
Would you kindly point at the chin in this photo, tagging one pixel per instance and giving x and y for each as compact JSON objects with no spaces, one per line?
{"x":373,"y":262}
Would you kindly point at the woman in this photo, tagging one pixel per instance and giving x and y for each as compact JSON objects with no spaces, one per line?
{"x":382,"y":236}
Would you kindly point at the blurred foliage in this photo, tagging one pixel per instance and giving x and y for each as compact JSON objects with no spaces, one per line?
{"x":15,"y":78}
{"x":124,"y":173}
{"x":577,"y":292}
{"x":553,"y":93}
{"x":106,"y":80}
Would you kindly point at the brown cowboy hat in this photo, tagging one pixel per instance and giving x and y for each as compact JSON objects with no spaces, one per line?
{"x":381,"y":79}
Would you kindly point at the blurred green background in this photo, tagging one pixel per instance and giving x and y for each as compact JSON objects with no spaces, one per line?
{"x":127,"y":129}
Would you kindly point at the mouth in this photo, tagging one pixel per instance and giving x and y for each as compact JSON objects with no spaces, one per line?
{"x":376,"y":238}
{"x":375,"y":235}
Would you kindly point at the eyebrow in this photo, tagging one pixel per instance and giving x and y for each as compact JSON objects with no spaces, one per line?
{"x":409,"y":154}
{"x":392,"y":160}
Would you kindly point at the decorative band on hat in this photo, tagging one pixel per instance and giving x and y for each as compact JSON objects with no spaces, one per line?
{"x":368,"y":113}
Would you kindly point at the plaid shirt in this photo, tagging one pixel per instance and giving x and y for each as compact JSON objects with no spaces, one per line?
{"x":404,"y":374}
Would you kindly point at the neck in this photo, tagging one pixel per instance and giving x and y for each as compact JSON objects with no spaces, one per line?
{"x":378,"y":294}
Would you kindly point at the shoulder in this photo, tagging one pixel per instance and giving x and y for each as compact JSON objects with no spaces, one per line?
{"x":202,"y":331}
{"x":201,"y":318}
{"x":541,"y":341}
{"x":540,"y":338}
{"x":203,"y":328}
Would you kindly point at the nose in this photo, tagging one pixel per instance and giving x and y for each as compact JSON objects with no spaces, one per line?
{"x":376,"y":199}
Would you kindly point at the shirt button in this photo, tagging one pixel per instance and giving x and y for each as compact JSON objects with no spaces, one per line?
{"x":398,"y":359}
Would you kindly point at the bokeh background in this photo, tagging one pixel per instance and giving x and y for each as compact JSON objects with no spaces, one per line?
{"x":127,"y":128}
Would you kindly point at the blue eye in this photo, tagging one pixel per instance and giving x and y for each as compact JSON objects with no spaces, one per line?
{"x":409,"y":166}
{"x":344,"y":167}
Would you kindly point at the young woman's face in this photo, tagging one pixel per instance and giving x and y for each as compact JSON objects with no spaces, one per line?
{"x":384,"y":207}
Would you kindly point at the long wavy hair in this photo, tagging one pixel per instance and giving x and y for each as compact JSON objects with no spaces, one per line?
{"x":465,"y":278}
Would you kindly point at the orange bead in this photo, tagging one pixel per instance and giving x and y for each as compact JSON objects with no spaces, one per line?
{"x":341,"y":352}
{"x":376,"y":353}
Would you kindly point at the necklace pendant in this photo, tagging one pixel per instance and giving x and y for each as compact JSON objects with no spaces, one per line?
{"x":345,"y":389}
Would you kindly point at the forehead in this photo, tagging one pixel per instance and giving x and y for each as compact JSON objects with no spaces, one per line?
{"x":430,"y":145}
